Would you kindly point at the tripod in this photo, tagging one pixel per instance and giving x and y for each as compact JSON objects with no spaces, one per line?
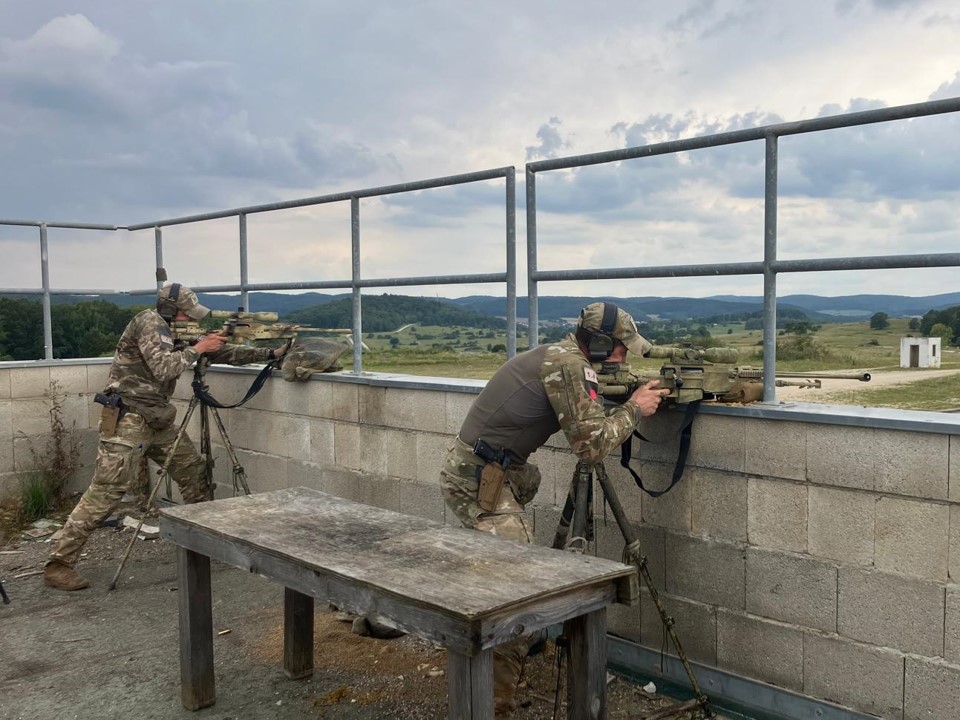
{"x":208,"y":406}
{"x":577,"y":510}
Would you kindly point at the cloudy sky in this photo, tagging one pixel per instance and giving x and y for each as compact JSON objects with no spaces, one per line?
{"x":129,"y":111}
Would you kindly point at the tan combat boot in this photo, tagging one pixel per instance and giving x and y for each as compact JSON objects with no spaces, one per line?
{"x":507,"y":668}
{"x":63,"y":577}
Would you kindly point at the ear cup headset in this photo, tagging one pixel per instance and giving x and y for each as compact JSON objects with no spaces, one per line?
{"x":600,"y":342}
{"x":167,"y":307}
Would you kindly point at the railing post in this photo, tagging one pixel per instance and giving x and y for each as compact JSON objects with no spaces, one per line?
{"x":511,"y":262}
{"x":533,"y":319}
{"x":158,"y":249}
{"x":355,"y":280}
{"x":45,"y":282}
{"x":244,"y":295}
{"x":769,"y":275}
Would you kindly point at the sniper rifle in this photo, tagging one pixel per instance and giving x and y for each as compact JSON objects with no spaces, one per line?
{"x":243,"y":327}
{"x":712,"y":374}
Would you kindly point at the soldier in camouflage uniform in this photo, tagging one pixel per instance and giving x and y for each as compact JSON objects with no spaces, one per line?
{"x":144,"y":373}
{"x":531,"y":397}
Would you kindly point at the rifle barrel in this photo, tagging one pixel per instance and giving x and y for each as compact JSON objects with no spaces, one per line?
{"x":861,"y":376}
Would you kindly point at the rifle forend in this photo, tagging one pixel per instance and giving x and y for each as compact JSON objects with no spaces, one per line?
{"x":692,"y":374}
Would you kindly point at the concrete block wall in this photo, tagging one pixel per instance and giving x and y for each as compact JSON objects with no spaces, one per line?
{"x":821,"y":557}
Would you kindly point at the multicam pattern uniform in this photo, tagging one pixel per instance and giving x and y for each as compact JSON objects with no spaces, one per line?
{"x":569,"y":384}
{"x":144,"y":373}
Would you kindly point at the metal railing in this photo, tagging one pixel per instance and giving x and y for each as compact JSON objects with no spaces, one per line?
{"x":356,"y":281}
{"x":769,"y":267}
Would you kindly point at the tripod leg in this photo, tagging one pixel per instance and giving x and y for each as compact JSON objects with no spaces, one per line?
{"x":633,"y":555}
{"x":581,"y":503}
{"x":239,"y":474}
{"x":163,"y":471}
{"x":566,"y":517}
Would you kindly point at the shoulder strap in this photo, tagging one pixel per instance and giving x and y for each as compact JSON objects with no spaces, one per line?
{"x":686,"y":429}
{"x":207,"y":399}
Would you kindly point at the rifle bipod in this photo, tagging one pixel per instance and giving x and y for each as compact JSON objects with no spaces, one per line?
{"x":578,"y":510}
{"x":206,"y":452}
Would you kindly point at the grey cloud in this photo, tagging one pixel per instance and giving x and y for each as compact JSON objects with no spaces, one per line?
{"x":551,"y":141}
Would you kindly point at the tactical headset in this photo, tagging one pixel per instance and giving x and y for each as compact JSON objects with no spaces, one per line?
{"x":600,"y":342}
{"x":167,"y":307}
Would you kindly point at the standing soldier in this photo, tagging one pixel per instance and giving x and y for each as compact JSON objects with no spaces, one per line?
{"x":486,"y":479}
{"x":137,"y":420}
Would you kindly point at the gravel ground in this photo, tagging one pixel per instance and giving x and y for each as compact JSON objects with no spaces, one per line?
{"x":94,"y":654}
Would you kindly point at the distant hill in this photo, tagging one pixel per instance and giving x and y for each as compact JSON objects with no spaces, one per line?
{"x":383,"y":313}
{"x":817,"y":308}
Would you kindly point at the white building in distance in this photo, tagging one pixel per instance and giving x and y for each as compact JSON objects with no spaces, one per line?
{"x":920,"y":352}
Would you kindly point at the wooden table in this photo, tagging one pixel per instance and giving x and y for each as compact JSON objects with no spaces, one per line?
{"x":466,"y":590}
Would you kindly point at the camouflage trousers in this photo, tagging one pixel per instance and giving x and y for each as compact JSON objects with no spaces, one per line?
{"x":119,"y":460}
{"x":459,"y":484}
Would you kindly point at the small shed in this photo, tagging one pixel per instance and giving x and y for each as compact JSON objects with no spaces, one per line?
{"x":920,"y":352}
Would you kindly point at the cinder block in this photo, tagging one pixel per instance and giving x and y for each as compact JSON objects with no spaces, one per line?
{"x":610,"y":545}
{"x":97,"y":376}
{"x":404,"y":409}
{"x":719,"y":506}
{"x":842,"y":456}
{"x":662,"y":432}
{"x":556,"y":472}
{"x":709,"y":571}
{"x":718,"y":442}
{"x":792,"y":588}
{"x":622,"y":621}
{"x":954,"y":551}
{"x":951,"y":635}
{"x":6,"y":454}
{"x":322,"y":442}
{"x":346,"y":445}
{"x":912,"y":463}
{"x":912,"y":537}
{"x":695,"y":625}
{"x":558,"y":441}
{"x":301,"y":473}
{"x":545,"y":519}
{"x":621,"y":482}
{"x":761,"y":649}
{"x":430,"y":452}
{"x":421,"y":499}
{"x":334,"y":400}
{"x":380,"y":492}
{"x":31,"y":382}
{"x":456,"y":406}
{"x":776,"y":449}
{"x":4,"y":384}
{"x":840,"y":525}
{"x":30,"y":416}
{"x":862,"y":677}
{"x":264,"y":472}
{"x":890,"y":610}
{"x":777,"y":514}
{"x":71,"y":379}
{"x":388,"y":453}
{"x":9,"y":485}
{"x":673,"y":510}
{"x":931,"y":689}
{"x":342,"y":483}
{"x":295,"y":398}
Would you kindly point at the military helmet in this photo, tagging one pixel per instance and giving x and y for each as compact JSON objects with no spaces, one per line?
{"x":174,"y":296}
{"x":603,"y":322}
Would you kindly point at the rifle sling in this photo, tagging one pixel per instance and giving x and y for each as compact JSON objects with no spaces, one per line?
{"x":207,"y":399}
{"x":686,"y":429}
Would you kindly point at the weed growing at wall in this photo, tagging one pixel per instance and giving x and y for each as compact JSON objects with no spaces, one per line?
{"x":52,"y":461}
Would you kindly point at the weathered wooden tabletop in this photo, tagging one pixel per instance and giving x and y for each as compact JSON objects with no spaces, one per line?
{"x":451,"y":570}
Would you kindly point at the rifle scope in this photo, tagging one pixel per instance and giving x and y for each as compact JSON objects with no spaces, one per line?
{"x":714,"y":355}
{"x":254,"y":317}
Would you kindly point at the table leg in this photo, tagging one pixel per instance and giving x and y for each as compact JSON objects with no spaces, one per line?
{"x":587,"y":665}
{"x":470,"y":684}
{"x":297,"y":634}
{"x":197,"y":688}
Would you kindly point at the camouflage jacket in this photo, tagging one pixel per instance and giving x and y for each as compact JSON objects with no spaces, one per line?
{"x":541,"y":391}
{"x":148,"y":362}
{"x":571,"y":386}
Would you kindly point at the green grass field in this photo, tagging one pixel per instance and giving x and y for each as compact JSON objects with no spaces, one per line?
{"x":476,"y":354}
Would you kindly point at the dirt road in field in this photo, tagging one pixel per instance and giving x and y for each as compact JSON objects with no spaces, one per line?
{"x":832,"y":388}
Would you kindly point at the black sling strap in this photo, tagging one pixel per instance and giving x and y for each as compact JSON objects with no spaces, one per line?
{"x":686,"y":429}
{"x":207,"y":399}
